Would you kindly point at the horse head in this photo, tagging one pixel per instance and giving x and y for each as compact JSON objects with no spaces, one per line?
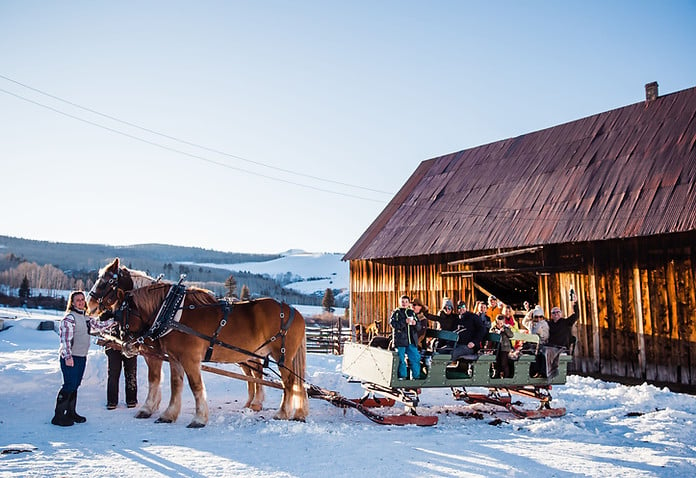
{"x":111,"y":286}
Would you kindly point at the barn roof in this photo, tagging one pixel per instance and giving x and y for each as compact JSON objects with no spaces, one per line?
{"x":623,"y":173}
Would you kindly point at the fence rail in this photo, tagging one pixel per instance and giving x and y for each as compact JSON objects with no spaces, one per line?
{"x":326,"y":339}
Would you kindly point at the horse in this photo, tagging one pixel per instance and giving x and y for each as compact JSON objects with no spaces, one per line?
{"x":109,"y":290}
{"x":250,"y":336}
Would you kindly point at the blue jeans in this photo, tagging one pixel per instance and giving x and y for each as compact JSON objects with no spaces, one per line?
{"x":72,"y":376}
{"x":413,"y":360}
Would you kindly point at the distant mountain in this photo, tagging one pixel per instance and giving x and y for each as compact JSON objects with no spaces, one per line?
{"x":73,"y":256}
{"x":294,"y":275}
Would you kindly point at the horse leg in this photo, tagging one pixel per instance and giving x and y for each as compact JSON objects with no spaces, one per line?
{"x":255,"y":390}
{"x":195,"y":380}
{"x":154,"y":394}
{"x":176,"y":373}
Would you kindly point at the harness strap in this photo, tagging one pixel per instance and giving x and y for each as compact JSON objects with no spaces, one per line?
{"x":167,"y":315}
{"x":178,"y":326}
{"x":226,"y":307}
{"x":284,"y":326}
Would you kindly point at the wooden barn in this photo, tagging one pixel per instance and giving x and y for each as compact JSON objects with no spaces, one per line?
{"x":605,"y":204}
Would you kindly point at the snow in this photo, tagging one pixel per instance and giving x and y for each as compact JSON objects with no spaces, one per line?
{"x":327,"y":270}
{"x":609,"y":429}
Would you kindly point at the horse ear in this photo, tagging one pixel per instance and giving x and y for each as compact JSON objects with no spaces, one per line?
{"x":115,"y":264}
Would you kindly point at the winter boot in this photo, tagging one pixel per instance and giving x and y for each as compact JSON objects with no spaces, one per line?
{"x":62,"y":416}
{"x":71,"y":409}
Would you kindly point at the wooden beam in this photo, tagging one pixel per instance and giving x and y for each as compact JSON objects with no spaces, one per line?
{"x":499,"y":255}
{"x":227,"y":373}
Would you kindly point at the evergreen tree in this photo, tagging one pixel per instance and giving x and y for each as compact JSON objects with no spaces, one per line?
{"x":328,"y":301}
{"x":231,"y":286}
{"x":245,"y":294}
{"x":24,"y":290}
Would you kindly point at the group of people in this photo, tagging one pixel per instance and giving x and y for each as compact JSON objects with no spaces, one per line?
{"x":75,"y":339}
{"x":411,"y":319}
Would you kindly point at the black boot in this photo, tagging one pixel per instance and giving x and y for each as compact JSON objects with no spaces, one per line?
{"x":62,"y":416}
{"x":71,"y":409}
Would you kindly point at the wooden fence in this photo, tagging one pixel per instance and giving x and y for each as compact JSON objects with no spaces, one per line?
{"x":327,"y":339}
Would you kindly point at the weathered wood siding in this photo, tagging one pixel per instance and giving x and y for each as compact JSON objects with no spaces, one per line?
{"x":637,"y":303}
{"x":375,"y":288}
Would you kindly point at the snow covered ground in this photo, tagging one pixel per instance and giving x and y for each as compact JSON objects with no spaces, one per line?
{"x":609,"y":430}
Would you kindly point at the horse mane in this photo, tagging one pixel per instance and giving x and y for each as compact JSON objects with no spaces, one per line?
{"x":140,"y":278}
{"x":149,"y":298}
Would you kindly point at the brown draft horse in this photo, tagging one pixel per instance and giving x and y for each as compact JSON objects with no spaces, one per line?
{"x":250,"y":326}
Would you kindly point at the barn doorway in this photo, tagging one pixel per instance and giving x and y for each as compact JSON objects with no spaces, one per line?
{"x":512,"y":288}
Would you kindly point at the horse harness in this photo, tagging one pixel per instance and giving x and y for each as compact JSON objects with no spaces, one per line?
{"x":168,"y":315}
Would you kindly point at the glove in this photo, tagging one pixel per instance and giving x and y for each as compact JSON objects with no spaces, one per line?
{"x":106,"y":315}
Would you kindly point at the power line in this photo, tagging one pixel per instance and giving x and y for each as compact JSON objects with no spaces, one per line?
{"x":188,"y":143}
{"x":503,"y":212}
{"x":178,"y":151}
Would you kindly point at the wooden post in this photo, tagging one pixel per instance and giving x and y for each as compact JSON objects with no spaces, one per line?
{"x":638,"y":306}
{"x":594,"y":309}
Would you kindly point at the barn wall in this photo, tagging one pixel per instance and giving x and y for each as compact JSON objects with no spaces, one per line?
{"x":637,"y":302}
{"x":377,"y":286}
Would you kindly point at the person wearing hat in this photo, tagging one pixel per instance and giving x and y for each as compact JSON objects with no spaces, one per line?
{"x":471,"y":333}
{"x":535,"y":323}
{"x":427,"y":321}
{"x":447,"y":317}
{"x":406,"y":328}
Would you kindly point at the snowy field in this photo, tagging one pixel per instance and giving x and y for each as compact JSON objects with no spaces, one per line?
{"x":610,"y":430}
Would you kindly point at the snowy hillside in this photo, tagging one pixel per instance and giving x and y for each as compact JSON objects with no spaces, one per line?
{"x":309,"y":272}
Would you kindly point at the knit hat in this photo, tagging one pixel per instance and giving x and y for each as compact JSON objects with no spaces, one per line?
{"x":538,"y":312}
{"x":461,"y":304}
{"x":447,"y":302}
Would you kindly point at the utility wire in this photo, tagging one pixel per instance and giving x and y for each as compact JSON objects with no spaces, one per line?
{"x":202,"y":158}
{"x":190,"y":143}
{"x":506,"y":213}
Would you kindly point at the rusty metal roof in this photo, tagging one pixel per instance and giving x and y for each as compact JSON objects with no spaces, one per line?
{"x":627,"y":172}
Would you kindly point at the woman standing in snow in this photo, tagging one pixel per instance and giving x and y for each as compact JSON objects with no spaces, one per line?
{"x":74,"y":345}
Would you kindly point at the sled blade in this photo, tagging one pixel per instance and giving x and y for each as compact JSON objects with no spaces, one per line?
{"x":374,"y":402}
{"x":541,"y":413}
{"x":399,"y":420}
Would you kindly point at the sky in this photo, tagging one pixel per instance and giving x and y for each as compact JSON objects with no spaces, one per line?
{"x":263,"y":126}
{"x":609,"y":430}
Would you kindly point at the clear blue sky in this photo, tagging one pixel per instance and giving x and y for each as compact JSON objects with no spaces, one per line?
{"x":352,"y":92}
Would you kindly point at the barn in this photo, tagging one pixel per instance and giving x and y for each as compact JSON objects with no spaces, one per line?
{"x":605,"y":205}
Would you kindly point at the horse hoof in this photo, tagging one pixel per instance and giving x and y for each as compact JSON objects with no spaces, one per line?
{"x":163,"y":420}
{"x":142,"y":414}
{"x":195,"y":425}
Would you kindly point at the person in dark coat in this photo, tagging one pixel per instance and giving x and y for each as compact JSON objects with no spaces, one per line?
{"x":447,"y":317}
{"x":503,"y":364}
{"x":560,"y":328}
{"x":406,"y":328}
{"x":471,"y":334}
{"x":115,"y":362}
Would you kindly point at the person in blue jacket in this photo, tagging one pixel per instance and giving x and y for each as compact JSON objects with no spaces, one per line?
{"x":406,"y":328}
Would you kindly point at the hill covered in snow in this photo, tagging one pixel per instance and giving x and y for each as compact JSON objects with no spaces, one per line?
{"x":306,"y":272}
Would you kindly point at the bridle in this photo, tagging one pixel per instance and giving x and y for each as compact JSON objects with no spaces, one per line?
{"x":113,"y":293}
